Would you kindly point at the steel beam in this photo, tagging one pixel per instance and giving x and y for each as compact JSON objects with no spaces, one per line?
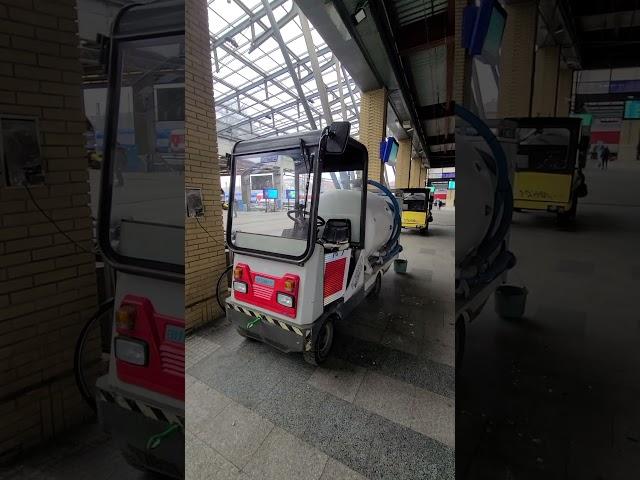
{"x":285,"y":54}
{"x":276,"y":74}
{"x":315,"y":66}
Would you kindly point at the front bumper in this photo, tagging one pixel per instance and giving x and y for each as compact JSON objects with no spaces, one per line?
{"x":132,"y":421}
{"x":277,"y":333}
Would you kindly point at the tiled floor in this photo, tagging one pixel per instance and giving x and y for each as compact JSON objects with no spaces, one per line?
{"x":382,"y":407}
{"x":84,"y":453}
{"x":555,"y":395}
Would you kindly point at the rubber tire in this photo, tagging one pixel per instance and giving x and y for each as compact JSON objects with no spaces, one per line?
{"x":423,"y":231}
{"x":461,"y":333}
{"x":569,"y":216}
{"x":375,"y":291}
{"x":315,"y":356}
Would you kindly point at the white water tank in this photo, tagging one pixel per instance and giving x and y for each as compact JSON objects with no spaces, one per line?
{"x":475,"y":201}
{"x":341,"y":204}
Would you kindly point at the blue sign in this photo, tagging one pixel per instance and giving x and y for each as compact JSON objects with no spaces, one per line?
{"x":291,"y":194}
{"x":632,"y":109}
{"x":389,"y":150}
{"x":270,"y":193}
{"x":482,"y":30}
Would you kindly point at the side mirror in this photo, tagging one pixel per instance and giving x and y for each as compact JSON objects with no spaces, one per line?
{"x":338,"y":137}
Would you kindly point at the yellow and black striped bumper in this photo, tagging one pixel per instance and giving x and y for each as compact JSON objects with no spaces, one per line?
{"x":261,"y":326}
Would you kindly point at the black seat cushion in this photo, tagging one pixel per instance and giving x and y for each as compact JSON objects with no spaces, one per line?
{"x":337,"y":230}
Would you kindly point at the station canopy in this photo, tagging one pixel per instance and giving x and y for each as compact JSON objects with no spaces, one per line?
{"x":261,"y":60}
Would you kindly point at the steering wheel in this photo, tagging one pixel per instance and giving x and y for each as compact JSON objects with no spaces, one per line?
{"x":320,"y":222}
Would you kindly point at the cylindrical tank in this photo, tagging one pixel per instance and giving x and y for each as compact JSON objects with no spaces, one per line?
{"x":346,"y":204}
{"x":474,"y":202}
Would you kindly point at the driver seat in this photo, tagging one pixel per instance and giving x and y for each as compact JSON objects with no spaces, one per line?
{"x":337,"y":231}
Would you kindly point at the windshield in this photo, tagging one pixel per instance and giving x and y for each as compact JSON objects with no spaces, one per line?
{"x":544,"y":150}
{"x":147,"y":200}
{"x":272,"y":200}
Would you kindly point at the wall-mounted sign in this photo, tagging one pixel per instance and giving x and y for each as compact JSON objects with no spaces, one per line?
{"x":20,"y":151}
{"x":194,"y":203}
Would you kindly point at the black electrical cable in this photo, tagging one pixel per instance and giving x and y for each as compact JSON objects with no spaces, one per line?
{"x":81,"y":382}
{"x":52,"y":221}
{"x":220,"y":304}
{"x":207,"y":232}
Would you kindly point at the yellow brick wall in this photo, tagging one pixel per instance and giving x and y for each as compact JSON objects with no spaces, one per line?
{"x":403,"y":163}
{"x":565,"y":78}
{"x":545,"y":82}
{"x":47,"y":285}
{"x":517,"y":58}
{"x":204,"y":254}
{"x":459,"y":53}
{"x":373,"y":123}
{"x":416,"y":172}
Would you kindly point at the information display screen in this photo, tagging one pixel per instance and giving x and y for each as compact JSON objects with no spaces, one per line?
{"x":270,"y":193}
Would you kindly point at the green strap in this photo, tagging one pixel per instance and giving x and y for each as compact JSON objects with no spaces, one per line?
{"x":155,"y":440}
{"x":253,"y":322}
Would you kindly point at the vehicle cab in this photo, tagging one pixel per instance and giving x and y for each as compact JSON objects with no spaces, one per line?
{"x":416,"y":204}
{"x":548,"y":173}
{"x":140,"y":400}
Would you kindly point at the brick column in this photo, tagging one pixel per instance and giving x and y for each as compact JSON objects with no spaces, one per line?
{"x":47,"y":284}
{"x":545,"y":82}
{"x":373,"y":126}
{"x":416,"y":170}
{"x":563,"y":103}
{"x":204,"y":250}
{"x":403,"y":163}
{"x":517,"y":60}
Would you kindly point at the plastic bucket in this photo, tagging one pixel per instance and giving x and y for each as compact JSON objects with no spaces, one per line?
{"x":511,"y":301}
{"x":400,"y":265}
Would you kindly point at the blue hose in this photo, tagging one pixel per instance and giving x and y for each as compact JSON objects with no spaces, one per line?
{"x":392,"y":247}
{"x":503,"y":198}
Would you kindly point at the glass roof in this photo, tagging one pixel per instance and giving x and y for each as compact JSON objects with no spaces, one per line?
{"x":254,"y":90}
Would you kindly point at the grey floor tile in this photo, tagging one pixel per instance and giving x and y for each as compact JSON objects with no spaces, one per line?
{"x":335,"y":470}
{"x":338,"y":378}
{"x":236,"y":433}
{"x":283,"y":456}
{"x":203,"y":463}
{"x":387,"y":397}
{"x":435,"y":416}
{"x":202,"y":405}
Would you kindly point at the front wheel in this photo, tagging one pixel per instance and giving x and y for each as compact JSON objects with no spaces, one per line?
{"x":569,"y":216}
{"x":322,"y":344}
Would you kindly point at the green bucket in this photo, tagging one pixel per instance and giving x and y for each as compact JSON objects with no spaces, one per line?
{"x":400,"y":265}
{"x":511,"y":301}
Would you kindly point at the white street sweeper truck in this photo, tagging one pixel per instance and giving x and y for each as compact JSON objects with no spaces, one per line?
{"x":311,"y":237}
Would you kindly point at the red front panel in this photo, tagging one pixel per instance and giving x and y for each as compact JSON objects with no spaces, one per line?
{"x":164,"y":372}
{"x":262,"y":290}
{"x":334,"y":276}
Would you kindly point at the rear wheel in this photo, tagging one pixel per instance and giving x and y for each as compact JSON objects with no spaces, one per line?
{"x":322,"y":345}
{"x":570,"y":215}
{"x":424,"y":231}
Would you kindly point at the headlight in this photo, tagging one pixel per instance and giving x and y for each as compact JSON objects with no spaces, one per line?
{"x":131,"y":350}
{"x":240,"y":287}
{"x":284,"y":299}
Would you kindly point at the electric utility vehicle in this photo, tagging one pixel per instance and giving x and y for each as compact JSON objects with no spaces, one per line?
{"x":140,"y":401}
{"x":297,"y":270}
{"x":548,"y":174}
{"x":416,"y":204}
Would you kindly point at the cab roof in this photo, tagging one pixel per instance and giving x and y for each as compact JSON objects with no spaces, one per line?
{"x":145,"y":19}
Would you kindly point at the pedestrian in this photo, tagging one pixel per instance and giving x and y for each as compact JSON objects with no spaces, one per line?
{"x":605,"y":157}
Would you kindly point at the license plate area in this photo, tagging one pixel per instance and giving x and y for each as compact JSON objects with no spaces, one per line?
{"x":174,"y":334}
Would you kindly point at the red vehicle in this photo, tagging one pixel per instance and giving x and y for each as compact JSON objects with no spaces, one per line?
{"x":140,"y":401}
